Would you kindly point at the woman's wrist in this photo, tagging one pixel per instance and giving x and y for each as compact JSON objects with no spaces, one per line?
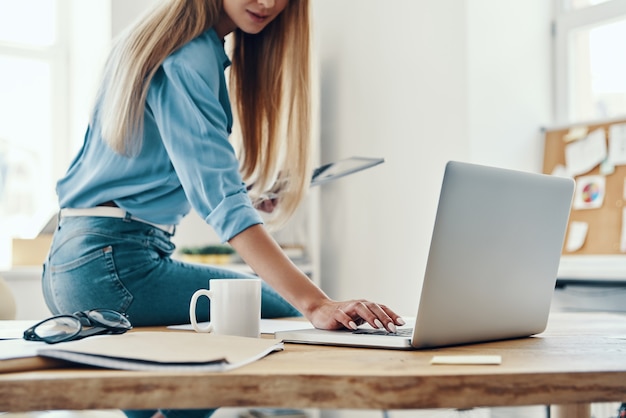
{"x":312,"y":302}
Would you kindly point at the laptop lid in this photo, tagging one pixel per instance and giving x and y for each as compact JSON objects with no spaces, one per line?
{"x":492,"y":263}
{"x":494,"y":255}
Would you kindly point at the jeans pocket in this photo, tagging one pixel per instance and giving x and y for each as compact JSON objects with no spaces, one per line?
{"x":88,"y":282}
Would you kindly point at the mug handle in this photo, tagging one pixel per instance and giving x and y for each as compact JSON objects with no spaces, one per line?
{"x":192,"y":310}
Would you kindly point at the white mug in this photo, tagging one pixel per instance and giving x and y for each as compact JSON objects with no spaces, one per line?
{"x":235,"y":307}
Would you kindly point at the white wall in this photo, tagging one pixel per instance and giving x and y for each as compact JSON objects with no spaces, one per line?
{"x":509,"y":81}
{"x":419,"y":83}
{"x":124,"y":12}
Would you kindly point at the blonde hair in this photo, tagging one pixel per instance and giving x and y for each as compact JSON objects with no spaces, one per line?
{"x":269,"y":86}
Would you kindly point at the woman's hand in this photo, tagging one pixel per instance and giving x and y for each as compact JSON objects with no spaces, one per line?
{"x":261,"y":252}
{"x":266,"y":203}
{"x":350,"y":314}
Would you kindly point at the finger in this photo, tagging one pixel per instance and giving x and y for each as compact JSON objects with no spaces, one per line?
{"x":345,"y":319}
{"x":389,"y":318}
{"x":386,"y":319}
{"x":376,"y":316}
{"x":267,"y":206}
{"x":397,"y":319}
{"x":358,"y":312}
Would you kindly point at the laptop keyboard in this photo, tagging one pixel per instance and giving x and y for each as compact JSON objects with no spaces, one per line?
{"x":402,"y":332}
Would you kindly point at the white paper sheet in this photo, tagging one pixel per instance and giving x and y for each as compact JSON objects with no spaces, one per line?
{"x":268,"y":326}
{"x":14,"y":329}
{"x":584,"y":155}
{"x":617,"y":144}
{"x":590,"y":191}
{"x":577,"y":236}
{"x":10,"y":349}
{"x":623,"y":237}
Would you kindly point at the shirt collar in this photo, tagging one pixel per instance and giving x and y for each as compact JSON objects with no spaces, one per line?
{"x":220,"y":42}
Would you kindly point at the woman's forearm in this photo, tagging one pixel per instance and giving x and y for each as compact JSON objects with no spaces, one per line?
{"x":261,"y":252}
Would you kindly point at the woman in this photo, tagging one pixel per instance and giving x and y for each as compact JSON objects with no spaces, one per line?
{"x":158,"y":145}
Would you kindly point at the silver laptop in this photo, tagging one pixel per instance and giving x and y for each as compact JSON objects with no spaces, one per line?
{"x":492,"y":264}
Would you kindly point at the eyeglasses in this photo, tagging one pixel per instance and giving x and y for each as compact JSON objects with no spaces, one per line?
{"x":79,"y":325}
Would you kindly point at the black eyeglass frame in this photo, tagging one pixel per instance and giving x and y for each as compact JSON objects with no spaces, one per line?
{"x":82,"y":319}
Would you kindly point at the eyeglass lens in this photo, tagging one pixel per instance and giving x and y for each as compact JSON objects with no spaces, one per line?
{"x":109,"y":318}
{"x":58,"y":329}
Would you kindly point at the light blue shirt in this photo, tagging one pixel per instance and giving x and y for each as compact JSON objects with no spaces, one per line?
{"x":186,"y":159}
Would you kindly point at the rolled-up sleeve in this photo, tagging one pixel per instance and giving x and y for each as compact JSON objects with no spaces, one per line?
{"x":232,"y":216}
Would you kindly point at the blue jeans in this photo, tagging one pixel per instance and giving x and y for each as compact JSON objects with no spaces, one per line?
{"x":125,"y":265}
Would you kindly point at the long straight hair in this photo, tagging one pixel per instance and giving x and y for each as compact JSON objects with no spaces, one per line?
{"x":270,"y":78}
{"x":269,"y":86}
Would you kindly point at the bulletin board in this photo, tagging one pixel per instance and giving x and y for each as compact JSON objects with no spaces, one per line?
{"x":565,"y":147}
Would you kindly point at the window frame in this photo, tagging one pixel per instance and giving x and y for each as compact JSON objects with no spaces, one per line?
{"x":57,"y":56}
{"x":566,"y":21}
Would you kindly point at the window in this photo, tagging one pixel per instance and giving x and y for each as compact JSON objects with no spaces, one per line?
{"x":33,"y":115}
{"x":51,"y":58}
{"x":580,"y":4}
{"x":590,"y":63}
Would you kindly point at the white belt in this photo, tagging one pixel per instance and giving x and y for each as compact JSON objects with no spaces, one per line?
{"x":112,"y":212}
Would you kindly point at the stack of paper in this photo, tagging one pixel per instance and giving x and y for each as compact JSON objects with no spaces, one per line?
{"x":172,"y":351}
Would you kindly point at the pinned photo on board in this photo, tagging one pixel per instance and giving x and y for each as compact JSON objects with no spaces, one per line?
{"x":590,"y":191}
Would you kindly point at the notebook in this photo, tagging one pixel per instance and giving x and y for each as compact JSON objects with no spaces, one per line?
{"x":492,"y":264}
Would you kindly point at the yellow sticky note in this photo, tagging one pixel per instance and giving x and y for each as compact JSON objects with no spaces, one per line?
{"x":473,"y":359}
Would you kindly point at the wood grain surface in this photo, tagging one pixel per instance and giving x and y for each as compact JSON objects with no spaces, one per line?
{"x":580,"y":358}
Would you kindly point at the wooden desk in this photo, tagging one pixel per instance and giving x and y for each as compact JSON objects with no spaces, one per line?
{"x":578,"y":360}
